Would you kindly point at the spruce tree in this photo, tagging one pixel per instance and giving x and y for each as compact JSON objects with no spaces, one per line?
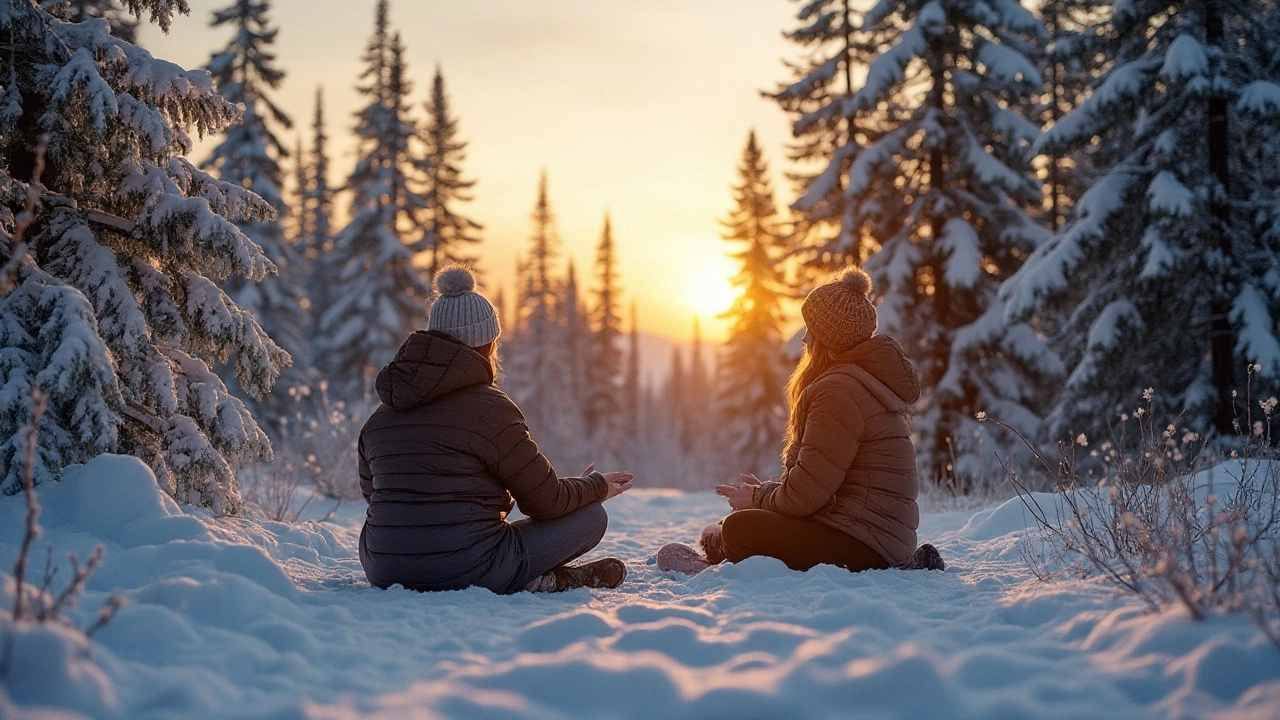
{"x":297,"y":230}
{"x":699,"y":394}
{"x":1069,"y":64}
{"x":675,"y":398}
{"x":378,"y":295}
{"x":751,"y":403}
{"x":117,"y":313}
{"x":947,"y":192}
{"x":827,"y":133}
{"x":446,"y":233}
{"x":249,"y":155}
{"x":539,"y":367}
{"x":604,"y":371}
{"x":1165,"y":276}
{"x":316,"y":241}
{"x":632,"y":393}
{"x":535,"y":305}
{"x":575,"y":332}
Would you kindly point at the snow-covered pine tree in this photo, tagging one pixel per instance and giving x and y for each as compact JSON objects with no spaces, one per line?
{"x":604,"y":371}
{"x":674,"y":396}
{"x":122,"y":25}
{"x":827,"y":134}
{"x":297,"y":230}
{"x":446,"y":233}
{"x":751,"y":401}
{"x":1166,"y":275}
{"x":317,"y":214}
{"x":117,"y":315}
{"x":539,"y":371}
{"x":378,"y":295}
{"x":699,"y":393}
{"x":631,"y":391}
{"x":500,"y":306}
{"x":946,"y":190}
{"x":249,"y":155}
{"x":575,"y":336}
{"x":535,"y":315}
{"x":1069,"y":65}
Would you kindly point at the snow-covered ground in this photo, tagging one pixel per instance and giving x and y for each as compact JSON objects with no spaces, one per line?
{"x":241,"y":618}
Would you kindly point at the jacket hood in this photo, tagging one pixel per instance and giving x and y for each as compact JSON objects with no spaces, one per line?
{"x":430,"y":364}
{"x":882,"y":366}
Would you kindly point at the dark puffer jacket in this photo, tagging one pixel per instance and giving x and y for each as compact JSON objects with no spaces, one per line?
{"x":854,"y":467}
{"x":440,"y":462}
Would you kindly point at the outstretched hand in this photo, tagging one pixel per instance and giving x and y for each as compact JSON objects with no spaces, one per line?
{"x":739,"y":496}
{"x":618,"y":482}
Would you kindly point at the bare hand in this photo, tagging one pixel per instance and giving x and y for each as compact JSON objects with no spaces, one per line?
{"x":739,"y":496}
{"x":619,"y":482}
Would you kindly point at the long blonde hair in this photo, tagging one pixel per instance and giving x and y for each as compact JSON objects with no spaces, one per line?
{"x":817,"y":359}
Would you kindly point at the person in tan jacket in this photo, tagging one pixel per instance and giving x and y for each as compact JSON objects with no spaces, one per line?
{"x":847,"y":492}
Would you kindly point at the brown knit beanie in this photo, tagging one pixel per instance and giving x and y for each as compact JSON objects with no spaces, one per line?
{"x":839,"y":314}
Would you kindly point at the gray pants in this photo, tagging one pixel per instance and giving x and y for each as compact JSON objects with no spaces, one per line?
{"x":550,"y":543}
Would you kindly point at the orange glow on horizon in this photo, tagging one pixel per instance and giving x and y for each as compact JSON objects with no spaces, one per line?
{"x":640,"y":109}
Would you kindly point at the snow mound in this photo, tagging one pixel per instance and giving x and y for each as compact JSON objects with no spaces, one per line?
{"x":241,"y":617}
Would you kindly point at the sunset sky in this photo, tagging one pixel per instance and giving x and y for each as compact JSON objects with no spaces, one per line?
{"x":637,"y":108}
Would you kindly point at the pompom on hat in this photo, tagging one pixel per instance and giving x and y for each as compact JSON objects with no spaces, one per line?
{"x":460,"y":311}
{"x":839,"y":314}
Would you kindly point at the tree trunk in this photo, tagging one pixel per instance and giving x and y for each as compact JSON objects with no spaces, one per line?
{"x":942,"y":298}
{"x":1055,"y":109}
{"x":1222,"y":335}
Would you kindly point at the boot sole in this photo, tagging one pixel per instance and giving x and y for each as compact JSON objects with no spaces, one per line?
{"x":675,"y":557}
{"x":604,"y":573}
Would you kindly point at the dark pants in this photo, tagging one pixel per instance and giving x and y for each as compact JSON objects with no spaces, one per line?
{"x":801,"y":543}
{"x":551,"y":543}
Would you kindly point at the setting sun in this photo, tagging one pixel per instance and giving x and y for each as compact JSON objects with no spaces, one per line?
{"x":710,"y":292}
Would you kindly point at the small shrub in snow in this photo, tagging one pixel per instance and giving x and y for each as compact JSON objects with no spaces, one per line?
{"x":316,"y":447}
{"x":1167,"y":518}
{"x":43,"y":603}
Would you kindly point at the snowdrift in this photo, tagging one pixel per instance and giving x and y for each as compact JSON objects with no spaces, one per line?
{"x":246,"y":618}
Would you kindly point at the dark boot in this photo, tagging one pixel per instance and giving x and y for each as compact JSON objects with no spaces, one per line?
{"x":712,"y":542}
{"x":603,"y":573}
{"x":926,"y":557}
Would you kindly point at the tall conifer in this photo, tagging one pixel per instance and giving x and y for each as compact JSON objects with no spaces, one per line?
{"x":944,"y":188}
{"x":249,"y":155}
{"x":378,"y":294}
{"x":828,"y":134}
{"x":447,"y":234}
{"x":116,"y":313}
{"x":751,"y":404}
{"x":1165,"y":275}
{"x":605,"y":369}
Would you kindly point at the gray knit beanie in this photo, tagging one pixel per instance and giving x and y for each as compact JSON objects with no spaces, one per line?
{"x":460,"y":311}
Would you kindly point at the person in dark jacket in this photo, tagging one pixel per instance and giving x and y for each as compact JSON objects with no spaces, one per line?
{"x":446,"y":456}
{"x":847,"y":492}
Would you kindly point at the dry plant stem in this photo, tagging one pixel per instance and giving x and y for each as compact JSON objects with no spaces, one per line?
{"x":106,"y":613}
{"x":9,"y":272}
{"x":1154,"y":530}
{"x":79,"y":576}
{"x":33,"y":508}
{"x":32,"y":524}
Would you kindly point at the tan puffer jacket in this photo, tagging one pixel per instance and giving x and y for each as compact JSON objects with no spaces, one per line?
{"x":854,"y":467}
